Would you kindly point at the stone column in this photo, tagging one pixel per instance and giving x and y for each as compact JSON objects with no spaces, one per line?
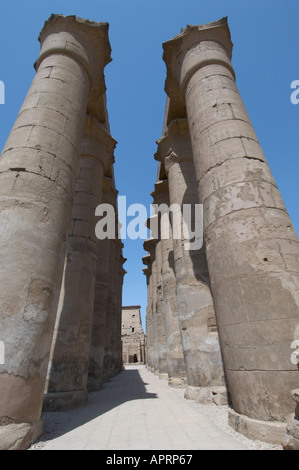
{"x":114,"y":311}
{"x":147,"y":271}
{"x":163,"y":374}
{"x":38,"y":170}
{"x":252,"y":247}
{"x":95,"y":374}
{"x":195,"y":304}
{"x":97,"y":347}
{"x":109,"y":314}
{"x":99,"y":333}
{"x":111,"y":295}
{"x":175,"y":357}
{"x":291,"y":439}
{"x":70,"y":362}
{"x":119,"y":277}
{"x":150,"y":246}
{"x":123,"y":272}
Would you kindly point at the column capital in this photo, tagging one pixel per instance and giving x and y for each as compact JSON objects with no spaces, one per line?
{"x":146,"y":273}
{"x":195,"y":47}
{"x":146,"y":260}
{"x":150,"y":245}
{"x":175,"y":146}
{"x":161,"y":192}
{"x":97,"y":143}
{"x":108,"y":188}
{"x":84,"y":40}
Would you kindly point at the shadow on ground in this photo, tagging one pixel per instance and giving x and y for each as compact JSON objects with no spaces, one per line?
{"x":126,"y":386}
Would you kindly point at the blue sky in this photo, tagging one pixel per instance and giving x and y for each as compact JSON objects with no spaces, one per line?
{"x":265,"y":57}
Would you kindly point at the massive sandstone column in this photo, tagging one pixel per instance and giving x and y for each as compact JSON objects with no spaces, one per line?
{"x":195,"y":304}
{"x":252,"y":247}
{"x":162,"y":372}
{"x":111,"y":295}
{"x":146,"y":272}
{"x":149,"y":317}
{"x":38,"y":169}
{"x":150,"y":246}
{"x":174,"y":352}
{"x":97,"y":348}
{"x":70,"y":362}
{"x":119,"y":278}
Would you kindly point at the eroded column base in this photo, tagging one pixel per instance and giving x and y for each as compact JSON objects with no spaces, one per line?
{"x":60,"y":401}
{"x":265,"y":431}
{"x":207,"y":395}
{"x":20,"y":436}
{"x":177,"y":382}
{"x":94,"y":385}
{"x":291,"y":439}
{"x":290,"y":443}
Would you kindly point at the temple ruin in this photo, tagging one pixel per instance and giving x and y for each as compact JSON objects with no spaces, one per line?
{"x":132,"y":336}
{"x":222,"y":318}
{"x":61,"y":287}
{"x":222,"y":310}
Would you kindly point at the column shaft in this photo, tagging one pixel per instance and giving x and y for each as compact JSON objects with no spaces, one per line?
{"x":175,"y":357}
{"x":37,"y":179}
{"x":70,"y":362}
{"x":195,"y":304}
{"x":95,"y":374}
{"x":100,"y":330}
{"x":163,"y":374}
{"x":252,"y":247}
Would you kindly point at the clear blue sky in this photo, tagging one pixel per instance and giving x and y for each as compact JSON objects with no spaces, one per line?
{"x":265,"y":56}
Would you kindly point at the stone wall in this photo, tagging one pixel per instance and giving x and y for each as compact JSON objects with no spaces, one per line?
{"x":132,"y":336}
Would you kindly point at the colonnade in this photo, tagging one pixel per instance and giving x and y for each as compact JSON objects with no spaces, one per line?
{"x":61,"y":286}
{"x":222,"y":276}
{"x":234,"y":301}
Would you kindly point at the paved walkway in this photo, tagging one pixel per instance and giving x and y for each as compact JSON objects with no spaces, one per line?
{"x":134,"y":411}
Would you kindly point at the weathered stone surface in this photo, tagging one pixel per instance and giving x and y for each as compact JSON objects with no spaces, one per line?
{"x":71,"y":350}
{"x":133,"y":337}
{"x":290,"y":443}
{"x":176,"y":367}
{"x":163,"y":373}
{"x":110,"y":306}
{"x":149,"y":324}
{"x":266,"y":431}
{"x":117,"y":326}
{"x":195,"y":304}
{"x":291,"y":439}
{"x":207,"y":395}
{"x":248,"y":234}
{"x":150,"y":247}
{"x":97,"y":347}
{"x":38,"y":170}
{"x":19,"y":436}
